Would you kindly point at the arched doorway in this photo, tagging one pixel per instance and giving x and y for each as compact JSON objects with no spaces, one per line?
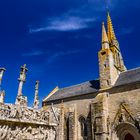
{"x":127,"y":131}
{"x":128,"y":137}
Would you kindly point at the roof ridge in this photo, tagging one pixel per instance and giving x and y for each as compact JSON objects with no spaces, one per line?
{"x":130,"y":70}
{"x":77,"y":84}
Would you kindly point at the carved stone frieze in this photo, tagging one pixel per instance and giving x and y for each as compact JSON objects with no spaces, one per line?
{"x":19,"y":132}
{"x":22,"y":123}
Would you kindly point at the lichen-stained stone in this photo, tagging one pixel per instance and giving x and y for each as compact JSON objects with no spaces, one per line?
{"x":20,"y":123}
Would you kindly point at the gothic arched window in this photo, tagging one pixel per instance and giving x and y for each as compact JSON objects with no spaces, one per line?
{"x":83,"y":127}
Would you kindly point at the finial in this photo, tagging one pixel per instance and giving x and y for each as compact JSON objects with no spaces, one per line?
{"x":104,"y":34}
{"x":111,"y":33}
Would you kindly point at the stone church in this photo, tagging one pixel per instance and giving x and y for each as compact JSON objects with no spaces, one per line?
{"x":107,"y":108}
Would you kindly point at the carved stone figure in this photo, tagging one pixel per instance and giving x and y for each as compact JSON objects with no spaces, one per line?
{"x":2,"y":95}
{"x":30,"y":123}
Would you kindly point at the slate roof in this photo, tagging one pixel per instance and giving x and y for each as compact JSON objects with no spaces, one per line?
{"x":130,"y":76}
{"x":80,"y":89}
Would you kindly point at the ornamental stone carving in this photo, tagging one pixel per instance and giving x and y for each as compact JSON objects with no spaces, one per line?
{"x":20,"y":122}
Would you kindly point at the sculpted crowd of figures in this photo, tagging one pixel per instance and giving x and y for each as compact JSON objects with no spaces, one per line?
{"x":11,"y":132}
{"x":23,"y":113}
{"x":20,"y":123}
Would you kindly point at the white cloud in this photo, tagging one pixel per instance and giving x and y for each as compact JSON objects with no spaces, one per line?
{"x":76,"y":19}
{"x":64,"y":23}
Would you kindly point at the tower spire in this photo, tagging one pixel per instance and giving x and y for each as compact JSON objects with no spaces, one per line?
{"x":111,"y":33}
{"x":104,"y":34}
{"x":110,"y":58}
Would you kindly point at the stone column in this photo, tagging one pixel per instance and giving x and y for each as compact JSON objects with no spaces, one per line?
{"x":99,"y":114}
{"x":2,"y":92}
{"x":20,"y":88}
{"x":2,"y":70}
{"x":36,"y":98}
{"x":21,"y":100}
{"x":22,"y":78}
{"x":2,"y":95}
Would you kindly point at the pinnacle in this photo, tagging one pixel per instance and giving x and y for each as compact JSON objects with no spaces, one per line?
{"x":104,"y":34}
{"x":111,"y":33}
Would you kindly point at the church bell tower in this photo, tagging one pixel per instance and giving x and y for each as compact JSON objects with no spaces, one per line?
{"x":110,"y":59}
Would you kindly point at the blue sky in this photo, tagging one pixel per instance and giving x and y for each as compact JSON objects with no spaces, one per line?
{"x":59,"y":41}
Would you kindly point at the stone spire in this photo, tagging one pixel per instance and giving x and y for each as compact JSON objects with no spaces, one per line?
{"x":111,"y":33}
{"x":36,"y":98}
{"x":114,"y":46}
{"x":22,"y":78}
{"x":105,"y":42}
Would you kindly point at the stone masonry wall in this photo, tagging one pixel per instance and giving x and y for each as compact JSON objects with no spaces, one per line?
{"x":131,"y":98}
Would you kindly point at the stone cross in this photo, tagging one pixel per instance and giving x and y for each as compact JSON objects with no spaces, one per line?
{"x":36,"y":98}
{"x":22,"y":78}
